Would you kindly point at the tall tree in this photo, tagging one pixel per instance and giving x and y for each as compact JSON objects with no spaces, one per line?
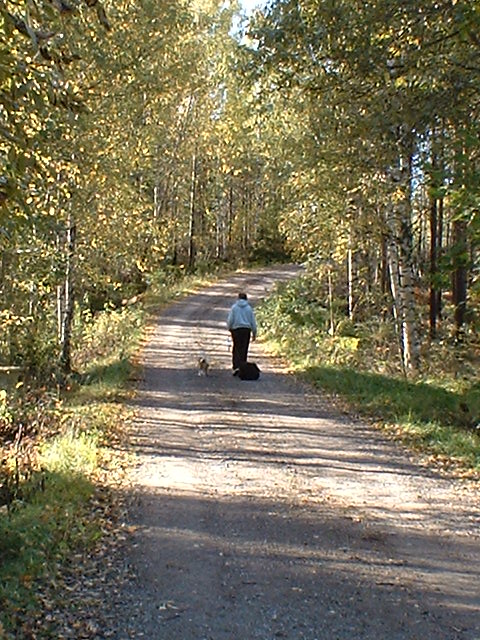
{"x":375,"y":76}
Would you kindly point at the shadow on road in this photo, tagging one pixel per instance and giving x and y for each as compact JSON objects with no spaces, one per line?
{"x":260,"y":513}
{"x":246,"y":567}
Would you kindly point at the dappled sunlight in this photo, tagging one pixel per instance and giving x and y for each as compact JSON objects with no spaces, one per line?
{"x":273,"y":548}
{"x":241,"y":445}
{"x":283,"y":499}
{"x":237,"y":444}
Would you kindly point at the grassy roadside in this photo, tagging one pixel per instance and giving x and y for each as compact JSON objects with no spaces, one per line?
{"x":437,"y":413}
{"x":64,"y":457}
{"x":60,"y":472}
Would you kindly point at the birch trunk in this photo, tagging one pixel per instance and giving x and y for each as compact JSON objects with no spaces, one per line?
{"x":192,"y":230}
{"x":460,"y":276}
{"x":433,"y":266}
{"x":68,"y":299}
{"x":400,"y":254}
{"x":394,"y":282}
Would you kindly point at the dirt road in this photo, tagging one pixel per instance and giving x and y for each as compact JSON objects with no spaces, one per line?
{"x":263,"y":514}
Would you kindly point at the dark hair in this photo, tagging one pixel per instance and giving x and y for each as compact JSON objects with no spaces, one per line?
{"x":242,"y":296}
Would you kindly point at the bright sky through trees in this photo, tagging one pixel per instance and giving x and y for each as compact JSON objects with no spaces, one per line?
{"x":250,"y":5}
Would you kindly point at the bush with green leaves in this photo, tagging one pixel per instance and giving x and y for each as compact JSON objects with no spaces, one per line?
{"x":438,"y":411}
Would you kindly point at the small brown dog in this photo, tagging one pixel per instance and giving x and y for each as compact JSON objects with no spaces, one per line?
{"x":203,"y":367}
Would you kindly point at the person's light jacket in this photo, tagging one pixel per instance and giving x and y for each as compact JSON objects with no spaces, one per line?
{"x":241,"y":316}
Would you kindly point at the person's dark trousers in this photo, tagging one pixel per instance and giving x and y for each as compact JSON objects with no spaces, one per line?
{"x":241,"y":341}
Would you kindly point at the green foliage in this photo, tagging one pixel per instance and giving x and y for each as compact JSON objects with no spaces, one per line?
{"x":26,"y":411}
{"x":105,"y":337}
{"x":391,"y":399}
{"x":294,"y":305}
{"x":38,"y":534}
{"x":439,"y":412}
{"x":54,"y":470}
{"x":352,"y":93}
{"x":269,"y":249}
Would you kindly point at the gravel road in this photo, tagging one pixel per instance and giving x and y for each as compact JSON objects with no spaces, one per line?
{"x":262,"y":513}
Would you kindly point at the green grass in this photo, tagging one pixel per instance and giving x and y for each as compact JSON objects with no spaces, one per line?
{"x":52,"y":516}
{"x":45,"y":522}
{"x":394,"y":399}
{"x":426,"y":416}
{"x":437,"y":413}
{"x":55,"y":513}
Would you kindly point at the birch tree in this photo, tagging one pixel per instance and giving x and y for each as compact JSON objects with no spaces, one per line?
{"x":375,"y":77}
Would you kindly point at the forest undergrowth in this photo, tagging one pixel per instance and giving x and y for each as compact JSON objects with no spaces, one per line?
{"x":436,"y":412}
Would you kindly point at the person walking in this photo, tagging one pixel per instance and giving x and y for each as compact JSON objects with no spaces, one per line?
{"x":242,"y":325}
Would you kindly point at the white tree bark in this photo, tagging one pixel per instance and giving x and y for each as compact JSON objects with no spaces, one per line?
{"x":68,"y":298}
{"x":400,"y":259}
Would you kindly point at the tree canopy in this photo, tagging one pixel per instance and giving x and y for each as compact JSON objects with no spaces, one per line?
{"x":141,"y":137}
